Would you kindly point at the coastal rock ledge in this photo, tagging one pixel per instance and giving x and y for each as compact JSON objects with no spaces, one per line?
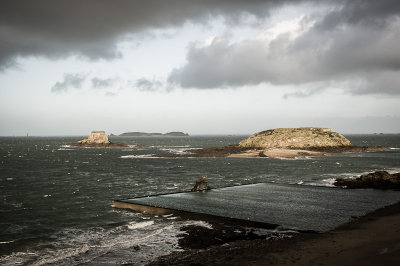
{"x":378,"y":180}
{"x":98,"y":139}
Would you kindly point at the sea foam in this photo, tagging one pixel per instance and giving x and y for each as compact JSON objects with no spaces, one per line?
{"x":135,"y":225}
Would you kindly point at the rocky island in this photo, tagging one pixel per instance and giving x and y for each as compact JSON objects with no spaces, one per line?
{"x":284,"y":143}
{"x":144,"y":134}
{"x":98,"y":139}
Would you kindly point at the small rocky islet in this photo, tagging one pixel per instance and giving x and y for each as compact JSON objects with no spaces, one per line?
{"x":98,"y":139}
{"x":284,"y":143}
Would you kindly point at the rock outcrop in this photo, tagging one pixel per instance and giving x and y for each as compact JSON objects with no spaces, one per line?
{"x":295,"y":138}
{"x":98,"y":139}
{"x":378,"y":179}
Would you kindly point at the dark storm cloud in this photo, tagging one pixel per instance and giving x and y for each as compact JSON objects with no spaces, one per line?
{"x":354,"y":40}
{"x":70,"y":81}
{"x":92,"y":28}
{"x":368,"y":12}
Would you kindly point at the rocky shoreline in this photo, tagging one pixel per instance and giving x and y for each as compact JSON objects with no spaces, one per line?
{"x":100,"y":145}
{"x":369,"y":240}
{"x":244,"y":152}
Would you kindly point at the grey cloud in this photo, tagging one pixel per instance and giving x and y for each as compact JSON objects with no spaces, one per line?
{"x":223,"y":64}
{"x":148,"y":85}
{"x":92,"y":28}
{"x":367,"y":12}
{"x":361,"y":125}
{"x":303,"y":93}
{"x":356,"y":51}
{"x":384,"y":83}
{"x":70,"y":80}
{"x":355,"y":38}
{"x":99,"y":83}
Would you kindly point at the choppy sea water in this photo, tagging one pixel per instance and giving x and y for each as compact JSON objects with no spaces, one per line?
{"x":56,"y":208}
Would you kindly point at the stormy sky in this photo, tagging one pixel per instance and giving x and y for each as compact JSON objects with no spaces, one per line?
{"x":68,"y":67}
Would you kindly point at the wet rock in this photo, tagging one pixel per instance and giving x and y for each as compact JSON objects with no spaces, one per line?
{"x":262,"y":154}
{"x":198,"y":237}
{"x":378,"y":179}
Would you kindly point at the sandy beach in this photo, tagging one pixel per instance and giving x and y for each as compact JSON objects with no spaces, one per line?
{"x":373,"y":239}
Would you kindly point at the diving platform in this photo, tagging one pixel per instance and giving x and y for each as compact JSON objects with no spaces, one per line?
{"x":296,"y":207}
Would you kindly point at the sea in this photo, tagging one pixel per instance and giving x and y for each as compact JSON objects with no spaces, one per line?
{"x":56,"y":200}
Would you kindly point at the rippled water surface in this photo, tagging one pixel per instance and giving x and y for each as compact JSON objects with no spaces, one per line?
{"x":56,"y":200}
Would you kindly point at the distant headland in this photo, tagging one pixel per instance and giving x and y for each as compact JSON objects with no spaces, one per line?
{"x":144,"y":134}
{"x":284,"y":143}
{"x":98,"y":139}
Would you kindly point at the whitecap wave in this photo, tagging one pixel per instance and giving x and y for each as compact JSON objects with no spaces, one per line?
{"x":175,"y":150}
{"x":65,"y":148}
{"x":328,"y":182}
{"x":138,"y":243}
{"x":137,"y":156}
{"x":135,"y":225}
{"x":199,"y":223}
{"x":6,"y":242}
{"x":169,"y":146}
{"x":393,"y":170}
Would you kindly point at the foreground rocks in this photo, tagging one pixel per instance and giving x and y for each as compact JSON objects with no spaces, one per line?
{"x":369,"y":240}
{"x":378,"y":179}
{"x":98,"y":139}
{"x":199,"y":237}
